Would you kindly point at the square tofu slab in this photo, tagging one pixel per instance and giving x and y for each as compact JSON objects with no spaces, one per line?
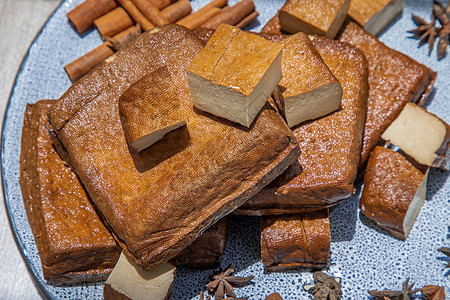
{"x":394,"y":80}
{"x":159,"y":200}
{"x":309,"y":88}
{"x":394,"y":191}
{"x":74,"y":245}
{"x":324,"y":173}
{"x":322,"y":17}
{"x":421,"y":135}
{"x":374,"y":15}
{"x":234,"y":75}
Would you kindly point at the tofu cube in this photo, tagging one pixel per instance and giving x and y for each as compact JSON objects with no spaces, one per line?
{"x":235,"y":74}
{"x":322,"y":17}
{"x":421,"y":135}
{"x":374,"y":15}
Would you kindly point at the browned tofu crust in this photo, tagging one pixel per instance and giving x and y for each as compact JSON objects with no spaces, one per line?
{"x":326,"y":169}
{"x":292,"y":241}
{"x":158,"y":201}
{"x":73,"y":243}
{"x":390,"y":183}
{"x":394,"y":80}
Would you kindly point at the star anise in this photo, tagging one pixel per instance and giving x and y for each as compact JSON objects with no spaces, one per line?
{"x":446,"y":251}
{"x":443,"y":15}
{"x":325,"y":287}
{"x":425,"y":32}
{"x":405,"y":294}
{"x":222,"y":283}
{"x":433,"y":292}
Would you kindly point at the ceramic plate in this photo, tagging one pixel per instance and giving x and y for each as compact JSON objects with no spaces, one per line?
{"x":362,"y":255}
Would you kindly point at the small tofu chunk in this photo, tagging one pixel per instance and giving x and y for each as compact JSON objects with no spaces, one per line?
{"x":422,"y":135}
{"x":374,"y":15}
{"x":150,"y":108}
{"x":129,"y":281}
{"x":322,"y":17}
{"x":310,"y":89}
{"x":235,"y":74}
{"x":394,"y":191}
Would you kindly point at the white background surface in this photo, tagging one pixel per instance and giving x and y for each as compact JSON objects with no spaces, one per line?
{"x":20,"y":21}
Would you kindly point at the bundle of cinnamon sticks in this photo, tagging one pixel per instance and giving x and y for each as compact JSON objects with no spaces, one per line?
{"x":120,"y":21}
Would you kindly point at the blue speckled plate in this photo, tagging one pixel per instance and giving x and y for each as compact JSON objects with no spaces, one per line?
{"x":363,"y":256}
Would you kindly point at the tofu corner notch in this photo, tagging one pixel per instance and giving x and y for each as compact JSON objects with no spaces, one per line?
{"x":235,"y":74}
{"x":151,"y":108}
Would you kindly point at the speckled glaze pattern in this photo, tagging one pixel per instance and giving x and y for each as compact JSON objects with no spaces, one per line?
{"x":364,"y":256}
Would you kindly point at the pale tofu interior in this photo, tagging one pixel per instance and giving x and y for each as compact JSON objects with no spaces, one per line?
{"x":312,"y":105}
{"x":130,"y":280}
{"x":415,"y":206}
{"x":148,"y":140}
{"x":418,"y":133}
{"x":383,"y":17}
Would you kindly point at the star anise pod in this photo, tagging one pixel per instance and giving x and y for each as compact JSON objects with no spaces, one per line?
{"x":405,"y":294}
{"x":325,"y":287}
{"x":222,"y":283}
{"x":446,"y":251}
{"x":425,"y":32}
{"x":443,"y":15}
{"x":433,"y":292}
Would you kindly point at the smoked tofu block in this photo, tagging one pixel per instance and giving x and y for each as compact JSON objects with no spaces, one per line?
{"x":326,"y":169}
{"x":309,"y":89}
{"x":394,"y":191}
{"x":394,"y":80}
{"x":273,"y":25}
{"x":73,"y":244}
{"x":129,"y":282}
{"x":234,"y":75}
{"x":159,"y":200}
{"x":422,"y":135}
{"x":374,"y":15}
{"x":322,"y":17}
{"x":293,"y":241}
{"x":151,"y":108}
{"x":207,"y":250}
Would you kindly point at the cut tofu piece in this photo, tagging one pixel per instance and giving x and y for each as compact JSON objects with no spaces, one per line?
{"x":207,"y":250}
{"x":234,"y":75}
{"x":394,"y":80}
{"x":422,"y":135}
{"x":322,"y":17}
{"x":129,"y":281}
{"x":151,"y":108}
{"x":394,"y":191}
{"x":293,"y":241}
{"x":324,"y":173}
{"x":310,"y":89}
{"x":374,"y":15}
{"x":158,"y":201}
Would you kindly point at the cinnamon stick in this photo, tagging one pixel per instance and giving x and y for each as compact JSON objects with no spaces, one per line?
{"x":177,"y":11}
{"x":205,"y":13}
{"x":151,"y":12}
{"x":233,"y":15}
{"x":113,"y":22}
{"x":136,"y":14}
{"x":248,"y":19}
{"x":120,"y":40}
{"x":160,"y":4}
{"x":82,"y":17}
{"x":81,"y":66}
